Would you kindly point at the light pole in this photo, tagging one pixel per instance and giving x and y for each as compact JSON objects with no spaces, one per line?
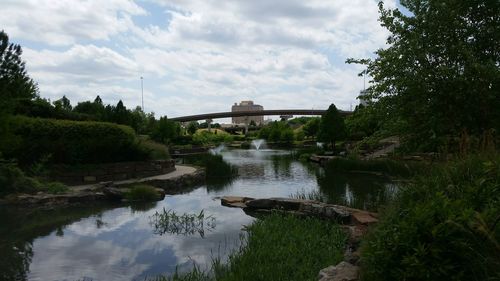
{"x":142,"y":94}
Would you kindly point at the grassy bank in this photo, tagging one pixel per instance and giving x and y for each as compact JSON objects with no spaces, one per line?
{"x":277,"y":247}
{"x":445,"y":225}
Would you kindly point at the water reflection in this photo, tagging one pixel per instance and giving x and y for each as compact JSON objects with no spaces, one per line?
{"x":362,"y":191}
{"x":117,"y":242}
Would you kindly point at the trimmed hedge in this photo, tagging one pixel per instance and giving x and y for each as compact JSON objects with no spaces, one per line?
{"x":71,"y":142}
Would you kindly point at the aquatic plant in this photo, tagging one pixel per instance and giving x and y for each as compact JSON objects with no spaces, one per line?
{"x":276,"y":247}
{"x":315,"y":195}
{"x":168,"y":221}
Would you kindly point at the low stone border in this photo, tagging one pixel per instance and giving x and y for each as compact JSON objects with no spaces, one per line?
{"x":106,"y":191}
{"x":111,"y":171}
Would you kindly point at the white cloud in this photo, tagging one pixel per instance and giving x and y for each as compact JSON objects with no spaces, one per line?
{"x":201,"y":55}
{"x":62,"y":23}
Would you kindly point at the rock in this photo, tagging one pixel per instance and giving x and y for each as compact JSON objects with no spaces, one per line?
{"x":352,"y":257}
{"x":114,"y":193}
{"x":104,"y":184}
{"x":361,"y":217}
{"x":343,"y":271}
{"x":355,"y":233}
{"x":261,"y":204}
{"x":289,"y":203}
{"x":235,"y":201}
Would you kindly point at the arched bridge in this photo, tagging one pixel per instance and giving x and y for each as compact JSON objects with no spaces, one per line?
{"x":254,"y":113}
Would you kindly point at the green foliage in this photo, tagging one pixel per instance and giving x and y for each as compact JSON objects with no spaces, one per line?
{"x":165,"y":130}
{"x":331,"y":127}
{"x":311,"y":128}
{"x":142,"y":192}
{"x":364,"y":122}
{"x":71,"y":141}
{"x":300,"y":135}
{"x":215,"y":166}
{"x":192,"y":127}
{"x":443,"y":226}
{"x":216,"y":137}
{"x":54,"y":187}
{"x":277,"y":131}
{"x":156,"y":151}
{"x":15,"y":84}
{"x":13,"y":180}
{"x":440,"y":74}
{"x":298,"y":121}
{"x":296,"y":248}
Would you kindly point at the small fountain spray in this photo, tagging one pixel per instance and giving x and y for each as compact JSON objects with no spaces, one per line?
{"x":257,"y":144}
{"x":217,"y":150}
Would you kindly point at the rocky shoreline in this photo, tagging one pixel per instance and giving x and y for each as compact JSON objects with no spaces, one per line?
{"x":354,"y":222}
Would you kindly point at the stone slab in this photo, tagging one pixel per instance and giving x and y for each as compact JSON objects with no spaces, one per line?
{"x":363,"y":218}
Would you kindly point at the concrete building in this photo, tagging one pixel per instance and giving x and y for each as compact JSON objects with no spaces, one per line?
{"x":247,"y":106}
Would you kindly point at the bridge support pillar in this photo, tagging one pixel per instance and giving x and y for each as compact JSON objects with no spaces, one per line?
{"x":209,"y":123}
{"x":246,"y":124}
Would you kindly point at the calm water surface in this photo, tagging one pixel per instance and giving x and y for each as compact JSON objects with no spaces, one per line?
{"x":106,"y":242}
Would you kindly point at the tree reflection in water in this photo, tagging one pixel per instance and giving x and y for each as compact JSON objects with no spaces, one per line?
{"x":357,"y":190}
{"x":168,"y":221}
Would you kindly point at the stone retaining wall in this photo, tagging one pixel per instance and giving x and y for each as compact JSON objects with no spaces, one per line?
{"x":112,"y":172}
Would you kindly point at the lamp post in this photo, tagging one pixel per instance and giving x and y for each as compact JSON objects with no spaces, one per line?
{"x":142,"y":93}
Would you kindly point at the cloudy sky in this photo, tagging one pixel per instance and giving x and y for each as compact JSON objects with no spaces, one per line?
{"x":197,"y":56}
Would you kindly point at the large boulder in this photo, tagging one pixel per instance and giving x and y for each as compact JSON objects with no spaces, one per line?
{"x":343,"y":271}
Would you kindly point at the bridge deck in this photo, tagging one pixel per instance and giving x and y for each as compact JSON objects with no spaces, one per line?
{"x":254,"y":113}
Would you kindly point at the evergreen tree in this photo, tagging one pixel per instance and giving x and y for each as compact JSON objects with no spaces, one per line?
{"x":15,"y":84}
{"x":331,"y":127}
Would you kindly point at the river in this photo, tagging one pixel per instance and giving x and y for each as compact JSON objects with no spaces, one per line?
{"x":119,"y":242}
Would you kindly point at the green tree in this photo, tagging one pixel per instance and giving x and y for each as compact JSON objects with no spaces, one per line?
{"x":331,"y":127}
{"x":15,"y":84}
{"x":364,"y":121}
{"x":311,"y":128}
{"x":63,"y":104}
{"x":440,"y":74}
{"x":192,"y":127}
{"x":166,"y":130}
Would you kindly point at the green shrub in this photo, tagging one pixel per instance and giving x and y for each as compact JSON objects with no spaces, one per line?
{"x":142,"y":192}
{"x":13,"y":179}
{"x":71,"y":142}
{"x":443,"y":226}
{"x":155,"y":150}
{"x":203,"y":137}
{"x":54,"y":187}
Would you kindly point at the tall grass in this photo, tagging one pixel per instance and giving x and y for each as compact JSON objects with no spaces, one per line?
{"x":277,"y":247}
{"x":442,"y":226}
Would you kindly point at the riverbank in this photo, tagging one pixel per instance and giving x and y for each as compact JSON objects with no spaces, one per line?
{"x":436,"y":219}
{"x":183,"y":179}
